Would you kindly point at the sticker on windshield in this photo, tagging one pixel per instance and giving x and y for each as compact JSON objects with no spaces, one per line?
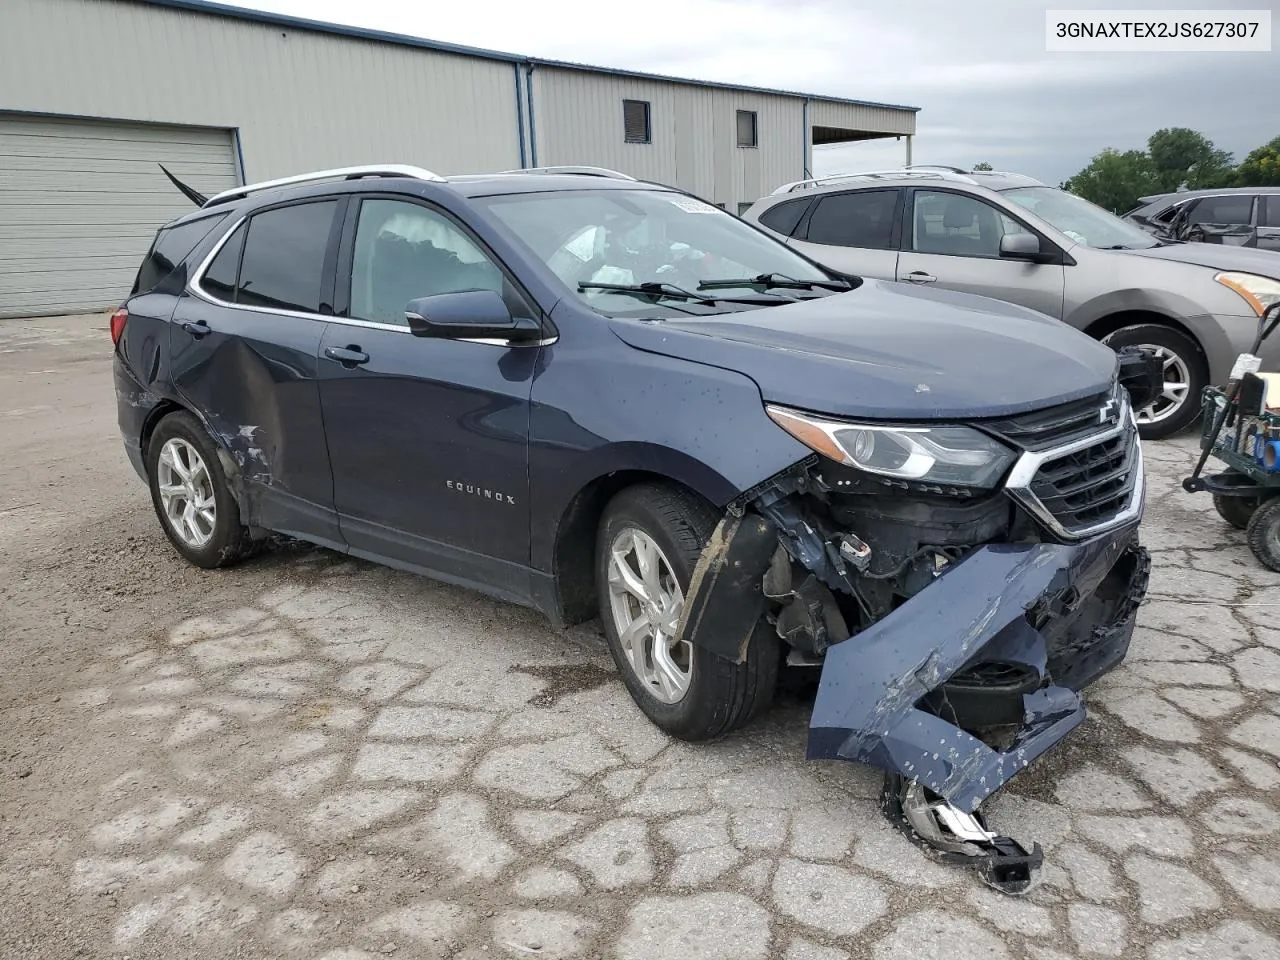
{"x":690,"y":205}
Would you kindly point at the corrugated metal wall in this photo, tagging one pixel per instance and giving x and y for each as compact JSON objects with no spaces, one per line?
{"x":81,"y":200}
{"x":300,"y":99}
{"x":694,"y":145}
{"x":851,"y":116}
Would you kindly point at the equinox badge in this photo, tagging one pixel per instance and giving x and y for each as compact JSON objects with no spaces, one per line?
{"x":469,"y":488}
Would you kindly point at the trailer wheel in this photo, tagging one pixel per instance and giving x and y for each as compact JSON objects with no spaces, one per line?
{"x":1264,"y":534}
{"x":1237,"y":511}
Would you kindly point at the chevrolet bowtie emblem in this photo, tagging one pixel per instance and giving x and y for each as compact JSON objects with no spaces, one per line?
{"x":1107,"y":412}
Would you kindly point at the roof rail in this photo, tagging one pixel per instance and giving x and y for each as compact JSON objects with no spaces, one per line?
{"x":584,"y":171}
{"x":900,"y":173}
{"x":343,"y":173}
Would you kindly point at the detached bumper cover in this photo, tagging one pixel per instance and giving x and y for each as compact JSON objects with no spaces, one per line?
{"x":1066,"y":611}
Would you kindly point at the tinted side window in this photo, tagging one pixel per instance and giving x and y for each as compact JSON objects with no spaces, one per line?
{"x":220,"y":279}
{"x":957,"y":225}
{"x":1272,"y":216}
{"x":404,"y":251}
{"x":171,"y":246}
{"x":283,"y":258}
{"x":855,"y":219}
{"x":1234,"y":209}
{"x":785,"y":217}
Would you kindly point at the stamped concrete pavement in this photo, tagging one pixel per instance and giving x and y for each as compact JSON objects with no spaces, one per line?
{"x":314,"y":757}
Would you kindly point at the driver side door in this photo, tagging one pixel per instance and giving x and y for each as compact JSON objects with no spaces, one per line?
{"x":428,"y":437}
{"x":952,"y":240}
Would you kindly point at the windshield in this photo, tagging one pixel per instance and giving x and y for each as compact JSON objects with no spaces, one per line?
{"x":1081,"y":220}
{"x":625,"y":238}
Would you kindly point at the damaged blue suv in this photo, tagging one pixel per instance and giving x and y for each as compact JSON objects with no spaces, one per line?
{"x":599,"y":396}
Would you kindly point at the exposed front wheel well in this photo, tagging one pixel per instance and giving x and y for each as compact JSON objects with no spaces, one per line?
{"x":574,"y":558}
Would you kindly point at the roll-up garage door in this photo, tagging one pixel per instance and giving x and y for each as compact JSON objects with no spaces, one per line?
{"x":80,"y":201}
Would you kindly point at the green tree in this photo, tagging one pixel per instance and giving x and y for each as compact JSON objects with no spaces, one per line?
{"x":982,"y":166}
{"x":1115,"y":180}
{"x":1179,"y":155}
{"x":1261,"y":168}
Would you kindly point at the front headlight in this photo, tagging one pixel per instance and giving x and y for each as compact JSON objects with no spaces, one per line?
{"x":1258,"y":292}
{"x":960,"y":456}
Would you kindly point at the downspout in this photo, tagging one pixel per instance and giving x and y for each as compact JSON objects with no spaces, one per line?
{"x":519,"y":114}
{"x":533,"y":130}
{"x":804,"y":141}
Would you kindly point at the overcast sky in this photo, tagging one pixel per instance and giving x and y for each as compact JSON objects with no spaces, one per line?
{"x":987,"y":88}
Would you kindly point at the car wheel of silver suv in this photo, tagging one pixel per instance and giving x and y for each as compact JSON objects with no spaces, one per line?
{"x":1185,"y":376}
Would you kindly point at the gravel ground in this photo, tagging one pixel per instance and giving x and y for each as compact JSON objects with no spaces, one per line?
{"x":306,"y":756}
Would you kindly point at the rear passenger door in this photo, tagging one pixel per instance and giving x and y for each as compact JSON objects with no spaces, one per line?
{"x":855,"y":232}
{"x":1269,"y":222}
{"x":952,"y":240}
{"x":1226,"y":219}
{"x":244,"y":351}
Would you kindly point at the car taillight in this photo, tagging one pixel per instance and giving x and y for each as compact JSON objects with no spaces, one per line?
{"x":117,"y":324}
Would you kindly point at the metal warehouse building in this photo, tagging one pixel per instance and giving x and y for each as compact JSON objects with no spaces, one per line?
{"x":94,"y":94}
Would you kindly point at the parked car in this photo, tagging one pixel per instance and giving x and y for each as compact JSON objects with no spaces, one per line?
{"x":1008,"y":236}
{"x":593,"y":395}
{"x":1236,"y":216}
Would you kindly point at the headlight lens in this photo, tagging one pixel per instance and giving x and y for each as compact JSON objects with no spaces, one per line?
{"x":1258,"y":292}
{"x":959,"y":456}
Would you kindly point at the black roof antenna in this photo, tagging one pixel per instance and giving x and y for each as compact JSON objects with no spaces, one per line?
{"x":195,"y":196}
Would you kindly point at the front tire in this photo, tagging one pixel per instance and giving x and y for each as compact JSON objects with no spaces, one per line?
{"x":191,"y":496}
{"x":1264,"y":534}
{"x":1186,"y":376}
{"x":649,"y":542}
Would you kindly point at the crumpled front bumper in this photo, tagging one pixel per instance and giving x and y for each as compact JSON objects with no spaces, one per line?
{"x":1066,"y":611}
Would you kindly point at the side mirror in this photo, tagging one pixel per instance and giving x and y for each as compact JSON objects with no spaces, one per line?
{"x":471,"y":314}
{"x":1020,"y":246}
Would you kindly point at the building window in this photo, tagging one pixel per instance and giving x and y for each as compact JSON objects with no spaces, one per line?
{"x":743,"y":208}
{"x":747,"y":128}
{"x":635,"y":121}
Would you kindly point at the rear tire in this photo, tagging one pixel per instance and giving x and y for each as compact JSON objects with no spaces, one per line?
{"x":1237,"y":511}
{"x":1185,"y":362}
{"x":1264,"y":534}
{"x":210,"y":533}
{"x":718,"y":695}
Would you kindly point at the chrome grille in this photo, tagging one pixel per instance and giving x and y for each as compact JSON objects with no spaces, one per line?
{"x":1056,"y":426}
{"x":1090,"y":486}
{"x":1091,"y":479}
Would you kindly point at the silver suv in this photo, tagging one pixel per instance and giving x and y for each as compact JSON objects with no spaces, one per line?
{"x":1010,"y":237}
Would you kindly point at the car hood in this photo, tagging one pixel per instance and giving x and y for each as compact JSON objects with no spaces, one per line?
{"x":889,"y":351}
{"x":1216,"y":256}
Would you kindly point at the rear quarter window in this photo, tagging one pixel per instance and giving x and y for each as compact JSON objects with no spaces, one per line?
{"x":785,"y":217}
{"x":171,"y":246}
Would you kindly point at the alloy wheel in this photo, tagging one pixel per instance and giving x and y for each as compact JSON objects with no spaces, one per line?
{"x":186,"y":493}
{"x":1175,"y":391}
{"x":646,"y":602}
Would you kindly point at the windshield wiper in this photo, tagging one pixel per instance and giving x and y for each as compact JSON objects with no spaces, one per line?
{"x":669,"y":291}
{"x":777,"y":281}
{"x":649,"y":290}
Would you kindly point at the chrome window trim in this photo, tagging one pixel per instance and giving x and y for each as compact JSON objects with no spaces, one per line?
{"x":194,"y":289}
{"x":1024,"y":471}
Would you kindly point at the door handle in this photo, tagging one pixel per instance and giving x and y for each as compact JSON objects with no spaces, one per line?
{"x":919,"y":276}
{"x":349,"y":356}
{"x":197,"y":329}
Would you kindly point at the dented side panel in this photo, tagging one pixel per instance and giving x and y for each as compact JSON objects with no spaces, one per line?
{"x":867,"y":708}
{"x":253,"y":377}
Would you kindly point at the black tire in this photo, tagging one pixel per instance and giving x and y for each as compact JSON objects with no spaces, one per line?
{"x":230,"y":540}
{"x":1189,"y":352}
{"x":1237,"y":511}
{"x":1264,"y":534}
{"x":722,"y":695}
